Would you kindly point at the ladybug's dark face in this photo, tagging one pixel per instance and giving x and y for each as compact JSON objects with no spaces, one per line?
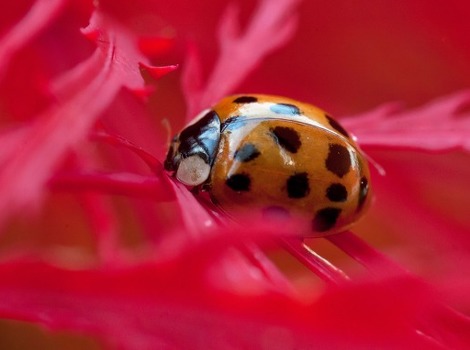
{"x":192,"y":152}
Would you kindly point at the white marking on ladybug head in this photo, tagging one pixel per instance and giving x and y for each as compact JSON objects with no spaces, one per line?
{"x":193,"y":171}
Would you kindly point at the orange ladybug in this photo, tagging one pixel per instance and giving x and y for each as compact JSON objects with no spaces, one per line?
{"x":275,"y":156}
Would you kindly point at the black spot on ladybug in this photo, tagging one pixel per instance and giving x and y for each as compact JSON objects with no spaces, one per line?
{"x":287,"y":138}
{"x":363,"y":191}
{"x":246,"y":153}
{"x":275,"y":213}
{"x":285,"y":108}
{"x":239,"y":182}
{"x":245,"y":99}
{"x":325,"y":219}
{"x":338,"y":160}
{"x":337,"y":193}
{"x":297,"y":185}
{"x":233,"y":123}
{"x":337,"y":126}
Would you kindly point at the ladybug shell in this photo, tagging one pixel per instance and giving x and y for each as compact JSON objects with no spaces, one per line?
{"x":279,"y":157}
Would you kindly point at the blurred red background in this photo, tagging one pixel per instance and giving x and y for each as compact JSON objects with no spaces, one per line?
{"x":346,"y":57}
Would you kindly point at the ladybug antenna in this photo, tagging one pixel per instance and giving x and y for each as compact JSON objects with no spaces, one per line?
{"x":167,"y":126}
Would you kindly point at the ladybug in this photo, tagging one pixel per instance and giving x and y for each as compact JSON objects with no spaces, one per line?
{"x":274,"y":156}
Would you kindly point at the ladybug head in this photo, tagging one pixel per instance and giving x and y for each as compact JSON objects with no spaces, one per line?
{"x":193,"y":150}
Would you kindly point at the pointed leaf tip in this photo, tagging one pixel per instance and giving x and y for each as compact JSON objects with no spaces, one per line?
{"x":92,"y":34}
{"x":158,"y":72}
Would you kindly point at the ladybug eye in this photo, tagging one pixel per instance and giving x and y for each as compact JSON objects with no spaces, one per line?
{"x":193,"y":171}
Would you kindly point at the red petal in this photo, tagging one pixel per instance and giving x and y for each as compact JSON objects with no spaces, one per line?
{"x":41,"y":14}
{"x":155,"y":46}
{"x":82,"y":94}
{"x":271,"y":26}
{"x":438,"y":126}
{"x":124,"y":184}
{"x":157,"y":307}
